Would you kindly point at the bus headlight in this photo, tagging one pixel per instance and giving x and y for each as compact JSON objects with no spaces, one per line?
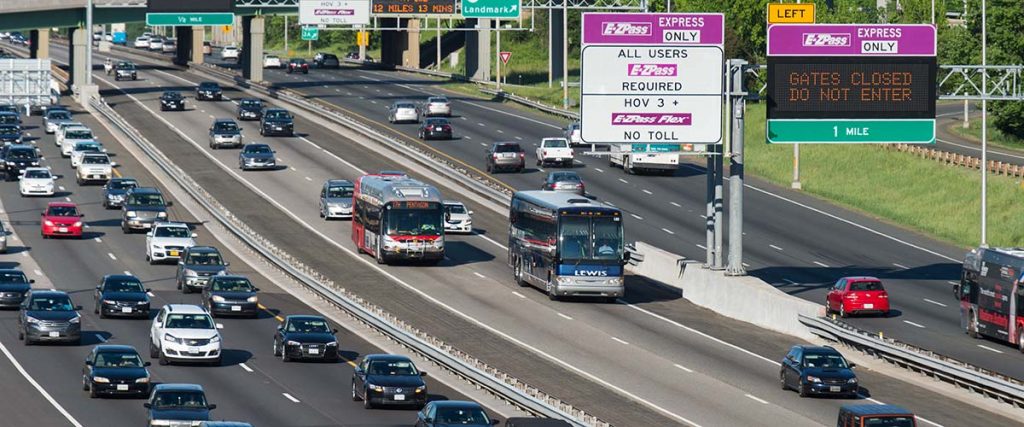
{"x":614,"y":281}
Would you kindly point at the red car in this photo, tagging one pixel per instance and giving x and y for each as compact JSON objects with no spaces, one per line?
{"x":61,"y":219}
{"x":297,"y":65}
{"x":856,"y":295}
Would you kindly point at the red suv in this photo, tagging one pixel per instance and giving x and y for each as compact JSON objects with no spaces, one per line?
{"x":61,"y":219}
{"x":855,"y":295}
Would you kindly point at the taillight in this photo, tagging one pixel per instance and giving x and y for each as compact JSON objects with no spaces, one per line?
{"x":495,"y":156}
{"x":447,"y":128}
{"x":522,"y":155}
{"x":884,"y":295}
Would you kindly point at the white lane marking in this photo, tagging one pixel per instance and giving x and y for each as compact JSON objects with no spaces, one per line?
{"x":373,"y":102}
{"x":60,"y":187}
{"x":637,"y":217}
{"x":668,"y":231}
{"x":918,"y":325}
{"x":293,"y":168}
{"x":67,"y":199}
{"x":100,"y":338}
{"x":990,"y":349}
{"x":745,"y":264}
{"x":620,"y":341}
{"x":212,"y":116}
{"x":492,"y":241}
{"x":820,"y":264}
{"x":675,"y":204}
{"x":623,"y":181}
{"x":111,"y":256}
{"x":519,"y":138}
{"x":563,"y":316}
{"x":98,"y":240}
{"x":952,"y":282}
{"x":901,"y":266}
{"x":67,"y":415}
{"x":685,"y":369}
{"x":24,"y":254}
{"x":480,"y":124}
{"x":757,"y":399}
{"x":479,"y":275}
{"x":246,"y":367}
{"x":335,"y":156}
{"x":500,"y":131}
{"x":648,"y":192}
{"x":775,"y":247}
{"x":150,"y":294}
{"x":289,"y":397}
{"x":309,"y":179}
{"x":702,"y":216}
{"x":935,"y":302}
{"x":978,"y":148}
{"x":702,"y":246}
{"x":599,"y":170}
{"x":38,"y":272}
{"x":463,"y":118}
{"x":470,"y":137}
{"x":518,"y":294}
{"x":513,"y":115}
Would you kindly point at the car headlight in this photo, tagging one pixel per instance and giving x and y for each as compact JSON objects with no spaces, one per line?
{"x":421,"y":389}
{"x":217,"y":298}
{"x":375,"y":388}
{"x":143,"y":380}
{"x":191,"y":273}
{"x":253,"y":298}
{"x":77,"y":224}
{"x":851,"y":381}
{"x":332,"y":344}
{"x":157,"y":247}
{"x":161,"y":215}
{"x":48,"y":223}
{"x":76,"y":319}
{"x":813,"y":379}
{"x":100,"y":379}
{"x":216,"y":338}
{"x":131,"y":214}
{"x":30,"y":319}
{"x":109,"y":302}
{"x":171,"y":338}
{"x":290,"y":342}
{"x":156,"y":423}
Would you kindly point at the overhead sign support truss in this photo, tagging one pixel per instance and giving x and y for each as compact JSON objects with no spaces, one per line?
{"x":527,"y":4}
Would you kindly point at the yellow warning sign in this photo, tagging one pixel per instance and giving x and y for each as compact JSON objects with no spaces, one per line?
{"x":790,"y":13}
{"x":362,"y":38}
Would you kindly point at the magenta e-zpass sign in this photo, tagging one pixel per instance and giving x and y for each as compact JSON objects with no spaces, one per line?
{"x":851,"y":40}
{"x":652,"y":78}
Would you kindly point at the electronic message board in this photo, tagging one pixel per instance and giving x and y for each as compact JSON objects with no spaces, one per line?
{"x":412,"y":7}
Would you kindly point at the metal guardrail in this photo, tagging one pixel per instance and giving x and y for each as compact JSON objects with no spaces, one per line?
{"x":958,"y":373}
{"x":461,"y":364}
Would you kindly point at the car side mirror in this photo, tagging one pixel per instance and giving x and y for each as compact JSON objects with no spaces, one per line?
{"x":853,"y":365}
{"x":358,"y":371}
{"x":149,"y":290}
{"x":81,"y":215}
{"x":194,"y":235}
{"x":227,"y":263}
{"x":170,"y":203}
{"x":494,"y":422}
{"x":428,"y":420}
{"x":78,"y":307}
{"x":147,"y":405}
{"x":98,"y":287}
{"x":627,"y":256}
{"x":88,"y":363}
{"x":42,"y":213}
{"x":211,"y":406}
{"x":180,"y":262}
{"x":470,"y":212}
{"x":31,"y":280}
{"x":255,"y":289}
{"x":149,"y":233}
{"x":144,"y":364}
{"x":220,"y":326}
{"x":423,"y":373}
{"x":334,"y":331}
{"x":114,"y":165}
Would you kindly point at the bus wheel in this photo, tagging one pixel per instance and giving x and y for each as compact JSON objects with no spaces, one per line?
{"x":1020,"y":340}
{"x":551,"y":291}
{"x":972,"y":325}
{"x":380,"y":256}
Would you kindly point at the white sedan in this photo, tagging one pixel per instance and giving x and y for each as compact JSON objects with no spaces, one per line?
{"x":230,"y":52}
{"x":271,"y":61}
{"x":36,"y":182}
{"x":141,"y":42}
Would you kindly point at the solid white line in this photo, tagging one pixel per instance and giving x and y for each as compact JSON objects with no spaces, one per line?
{"x":518,"y":294}
{"x":599,"y":170}
{"x":470,"y":137}
{"x":901,"y":266}
{"x":492,"y":241}
{"x":480,"y":124}
{"x":100,"y":337}
{"x":60,"y":187}
{"x":623,"y":181}
{"x":990,"y":349}
{"x":67,"y":415}
{"x":775,"y":247}
{"x":648,"y":192}
{"x":24,"y":254}
{"x":479,"y":275}
{"x":563,"y":316}
{"x":500,"y":131}
{"x":977,"y":148}
{"x":935,"y":302}
{"x":111,"y":256}
{"x":952,"y":282}
{"x":637,"y":217}
{"x":289,"y":397}
{"x":668,"y":231}
{"x":688,"y":370}
{"x":914,"y":324}
{"x":821,"y":264}
{"x":757,"y":399}
{"x":675,"y":204}
{"x":620,"y":341}
{"x":67,"y":199}
{"x":246,"y":367}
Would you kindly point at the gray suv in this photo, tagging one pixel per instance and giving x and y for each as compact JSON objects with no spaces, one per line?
{"x":225,"y":133}
{"x":505,"y":156}
{"x":49,"y":316}
{"x":197,"y":265}
{"x":142,"y":207}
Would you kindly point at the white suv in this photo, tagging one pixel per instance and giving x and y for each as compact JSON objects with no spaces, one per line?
{"x":167,"y":241}
{"x":230,"y":52}
{"x":184,"y":333}
{"x":94,"y":167}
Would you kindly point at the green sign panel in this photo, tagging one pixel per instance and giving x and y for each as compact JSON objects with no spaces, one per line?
{"x":497,"y":9}
{"x":185,"y":19}
{"x":851,"y":131}
{"x":310,"y":33}
{"x":655,"y":148}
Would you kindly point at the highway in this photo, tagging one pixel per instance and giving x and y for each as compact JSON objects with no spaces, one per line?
{"x":251,"y":384}
{"x":796,"y":242}
{"x":629,"y":347}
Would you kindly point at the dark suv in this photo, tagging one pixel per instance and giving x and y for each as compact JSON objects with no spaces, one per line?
{"x":197,"y":265}
{"x":16,"y":158}
{"x":142,"y":207}
{"x":277,"y":121}
{"x":49,"y":316}
{"x":250,"y":109}
{"x":172,"y":100}
{"x":818,"y":370}
{"x":504,"y":156}
{"x":207,"y":91}
{"x":13,"y":286}
{"x":326,"y":60}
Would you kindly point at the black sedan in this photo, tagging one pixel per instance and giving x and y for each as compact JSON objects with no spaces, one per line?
{"x":231,"y":295}
{"x":818,"y":370}
{"x":326,"y":60}
{"x":388,"y":379}
{"x":115,"y":190}
{"x":441,"y":413}
{"x":13,"y":285}
{"x":277,"y":121}
{"x":172,"y":100}
{"x":250,"y":109}
{"x":434,"y":128}
{"x":115,"y":370}
{"x":305,"y":337}
{"x":256,"y":156}
{"x":121,"y":295}
{"x":207,"y":91}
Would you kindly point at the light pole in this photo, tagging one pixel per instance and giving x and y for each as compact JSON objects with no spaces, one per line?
{"x":565,"y":54}
{"x":286,"y":35}
{"x":984,"y":131}
{"x":88,"y":42}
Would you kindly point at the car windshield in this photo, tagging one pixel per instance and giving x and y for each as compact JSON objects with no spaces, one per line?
{"x":62,"y":211}
{"x":54,"y":303}
{"x":257,"y":149}
{"x":37,"y":174}
{"x":436,"y":100}
{"x":507,"y":148}
{"x":824,"y":360}
{"x":189,"y":321}
{"x":117,"y":360}
{"x":474,"y":416}
{"x":122,"y":185}
{"x":308,"y":326}
{"x":9,"y":128}
{"x":204,"y":258}
{"x":78,"y":134}
{"x":179,"y":399}
{"x":58,"y":115}
{"x":225,"y":126}
{"x":590,"y":238}
{"x":277,"y":114}
{"x":13,"y":277}
{"x":405,"y":106}
{"x":252,"y":103}
{"x":866,"y":286}
{"x":25,"y":154}
{"x":339,"y":192}
{"x":89,"y":146}
{"x":883,"y":421}
{"x":455,"y":209}
{"x":415,"y":222}
{"x":123,"y":285}
{"x":556,"y":143}
{"x":565,"y":177}
{"x":95,"y":160}
{"x":436,"y":122}
{"x":146,"y":200}
{"x":231,"y":285}
{"x":172,"y":232}
{"x":391,"y":367}
{"x":126,"y":66}
{"x":209,"y":86}
{"x":172,"y":95}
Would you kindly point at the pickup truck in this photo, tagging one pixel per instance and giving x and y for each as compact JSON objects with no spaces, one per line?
{"x":632,"y":163}
{"x":554,"y":151}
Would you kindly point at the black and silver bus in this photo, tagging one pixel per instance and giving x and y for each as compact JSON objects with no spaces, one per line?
{"x":566,"y":245}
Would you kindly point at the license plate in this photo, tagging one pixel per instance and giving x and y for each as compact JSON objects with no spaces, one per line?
{"x":277,"y":128}
{"x":62,"y":229}
{"x":173,"y":253}
{"x":126,"y":309}
{"x":835,"y":388}
{"x":236,"y":308}
{"x":558,"y":159}
{"x":122,"y":387}
{"x":438,"y":129}
{"x":193,"y":350}
{"x":54,"y":334}
{"x":314,"y":351}
{"x":399,"y":397}
{"x":869,"y":306}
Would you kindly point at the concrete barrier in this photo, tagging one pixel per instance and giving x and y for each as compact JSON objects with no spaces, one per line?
{"x":743,"y":298}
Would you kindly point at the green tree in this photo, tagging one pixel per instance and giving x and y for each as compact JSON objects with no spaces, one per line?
{"x":1005,"y":24}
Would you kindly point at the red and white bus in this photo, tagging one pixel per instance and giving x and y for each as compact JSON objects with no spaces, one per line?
{"x":395,"y":217}
{"x":991,"y":294}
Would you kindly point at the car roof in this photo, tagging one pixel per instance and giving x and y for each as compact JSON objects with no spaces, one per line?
{"x":819,"y":349}
{"x":185,"y":309}
{"x":57,"y":204}
{"x":339,"y":182}
{"x":453,"y":202}
{"x":203,"y":249}
{"x":385,"y":356}
{"x":862,"y":279}
{"x":876,"y":410}
{"x":229,"y":276}
{"x":456,"y":404}
{"x":170,"y":224}
{"x":177,"y":387}
{"x":37,"y":168}
{"x":304,"y":317}
{"x":276,"y":109}
{"x":505,"y":143}
{"x":124,"y":179}
{"x":48,"y":293}
{"x":145,"y":190}
{"x":114,"y":347}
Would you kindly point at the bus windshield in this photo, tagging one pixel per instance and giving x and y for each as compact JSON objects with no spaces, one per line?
{"x":414,"y":222}
{"x":590,"y":238}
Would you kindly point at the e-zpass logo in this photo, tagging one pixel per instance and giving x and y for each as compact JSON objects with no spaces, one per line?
{"x":627,"y":29}
{"x":826,"y":40}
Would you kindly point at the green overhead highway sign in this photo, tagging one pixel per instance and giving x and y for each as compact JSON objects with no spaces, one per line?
{"x":310,"y":33}
{"x":497,"y":9}
{"x":908,"y":131}
{"x":185,"y":19}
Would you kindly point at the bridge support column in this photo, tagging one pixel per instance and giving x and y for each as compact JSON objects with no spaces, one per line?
{"x":478,"y":50}
{"x":252,"y":48}
{"x":401,"y":48}
{"x":39,"y":46}
{"x":556,"y":61}
{"x":411,"y":47}
{"x":183,"y":49}
{"x":79,"y":48}
{"x":198,"y":34}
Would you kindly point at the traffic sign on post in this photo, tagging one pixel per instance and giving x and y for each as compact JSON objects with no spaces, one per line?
{"x":851,"y":84}
{"x":652,"y":78}
{"x":189,"y":19}
{"x":334,"y":12}
{"x":505,"y":56}
{"x":790,"y":13}
{"x":310,"y":33}
{"x":491,"y":9}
